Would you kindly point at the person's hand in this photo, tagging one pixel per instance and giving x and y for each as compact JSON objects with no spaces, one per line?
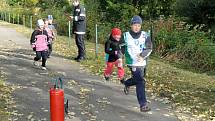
{"x":34,"y":49}
{"x":33,"y":46}
{"x":140,"y":59}
{"x":68,"y":16}
{"x":71,"y":17}
{"x":118,"y":54}
{"x":120,"y":63}
{"x":49,"y":42}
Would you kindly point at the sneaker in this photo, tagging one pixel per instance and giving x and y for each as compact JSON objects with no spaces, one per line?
{"x":35,"y":63}
{"x":122,"y":81}
{"x":80,"y":59}
{"x":107,"y":78}
{"x":43,"y":68}
{"x":126,"y":90}
{"x":76,"y":58}
{"x":144,"y":108}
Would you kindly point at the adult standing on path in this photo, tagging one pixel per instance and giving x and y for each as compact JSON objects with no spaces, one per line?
{"x":79,"y":28}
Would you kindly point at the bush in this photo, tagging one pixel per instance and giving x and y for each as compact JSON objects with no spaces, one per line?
{"x":198,"y":12}
{"x":192,"y":47}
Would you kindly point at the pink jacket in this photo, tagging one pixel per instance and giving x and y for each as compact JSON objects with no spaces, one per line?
{"x":39,"y":40}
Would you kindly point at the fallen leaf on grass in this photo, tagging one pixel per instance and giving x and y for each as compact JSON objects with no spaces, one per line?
{"x":29,"y":117}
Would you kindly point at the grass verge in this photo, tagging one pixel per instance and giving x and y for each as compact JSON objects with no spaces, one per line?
{"x":4,"y":97}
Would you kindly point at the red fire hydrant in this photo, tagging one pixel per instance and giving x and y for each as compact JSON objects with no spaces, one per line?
{"x":57,"y":102}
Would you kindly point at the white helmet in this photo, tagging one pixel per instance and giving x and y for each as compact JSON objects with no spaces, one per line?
{"x":40,"y":23}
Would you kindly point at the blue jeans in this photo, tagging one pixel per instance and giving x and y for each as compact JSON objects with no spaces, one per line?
{"x":138,"y":80}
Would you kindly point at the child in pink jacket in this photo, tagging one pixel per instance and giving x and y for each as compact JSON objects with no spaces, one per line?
{"x":39,"y":42}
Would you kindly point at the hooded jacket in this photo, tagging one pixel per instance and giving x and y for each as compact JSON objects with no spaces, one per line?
{"x":39,"y":40}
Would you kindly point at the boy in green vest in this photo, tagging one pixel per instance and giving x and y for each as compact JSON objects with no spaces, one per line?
{"x":138,"y":47}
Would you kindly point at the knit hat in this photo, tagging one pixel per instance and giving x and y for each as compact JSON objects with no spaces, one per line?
{"x":136,"y":20}
{"x":50,"y":17}
{"x":116,"y":31}
{"x":40,"y":22}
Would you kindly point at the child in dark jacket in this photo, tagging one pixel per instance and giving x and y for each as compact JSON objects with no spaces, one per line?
{"x":114,"y":54}
{"x":39,"y":43}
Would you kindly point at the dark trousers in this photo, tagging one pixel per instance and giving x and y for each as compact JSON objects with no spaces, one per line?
{"x":79,"y":39}
{"x":50,"y":49}
{"x":42,"y":54}
{"x":138,"y":80}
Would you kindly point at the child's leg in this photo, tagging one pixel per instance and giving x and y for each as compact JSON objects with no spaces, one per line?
{"x":131,"y":81}
{"x":120,"y":68}
{"x":38,"y":55}
{"x":108,"y":69}
{"x":44,"y":58}
{"x":50,"y":49}
{"x":140,"y":86}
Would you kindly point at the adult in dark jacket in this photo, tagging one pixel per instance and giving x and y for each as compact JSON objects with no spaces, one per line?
{"x":79,"y":28}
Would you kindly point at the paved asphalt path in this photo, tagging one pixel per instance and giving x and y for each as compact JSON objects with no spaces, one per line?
{"x":90,"y":97}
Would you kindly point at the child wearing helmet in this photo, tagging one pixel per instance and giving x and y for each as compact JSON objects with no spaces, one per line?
{"x":39,"y":43}
{"x":114,"y":54}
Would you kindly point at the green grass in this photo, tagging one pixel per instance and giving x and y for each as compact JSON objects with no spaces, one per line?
{"x":4,"y":96}
{"x":184,"y":88}
{"x":195,"y":92}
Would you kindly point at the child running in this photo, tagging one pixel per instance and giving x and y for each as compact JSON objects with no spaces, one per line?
{"x":50,"y":35}
{"x":138,"y":47}
{"x":53,"y":32}
{"x":39,"y":43}
{"x":114,"y":54}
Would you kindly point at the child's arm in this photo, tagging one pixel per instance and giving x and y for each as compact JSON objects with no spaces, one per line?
{"x":53,"y":30}
{"x":147,"y":51}
{"x":53,"y":34}
{"x":122,"y":46}
{"x":120,"y":49}
{"x":108,"y":50}
{"x":46,"y":33}
{"x":32,"y":40}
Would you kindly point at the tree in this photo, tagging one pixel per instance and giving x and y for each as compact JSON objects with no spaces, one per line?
{"x":197,"y":12}
{"x":47,"y":4}
{"x":24,"y":3}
